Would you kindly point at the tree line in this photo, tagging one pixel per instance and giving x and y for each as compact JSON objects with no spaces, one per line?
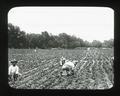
{"x":21,"y":39}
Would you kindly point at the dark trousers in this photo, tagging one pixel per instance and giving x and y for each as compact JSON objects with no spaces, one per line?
{"x":69,"y":71}
{"x":13,"y":77}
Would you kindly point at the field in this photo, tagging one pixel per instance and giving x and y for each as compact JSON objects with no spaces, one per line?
{"x":41,"y":69}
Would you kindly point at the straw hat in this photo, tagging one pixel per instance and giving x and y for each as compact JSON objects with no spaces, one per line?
{"x":14,"y":61}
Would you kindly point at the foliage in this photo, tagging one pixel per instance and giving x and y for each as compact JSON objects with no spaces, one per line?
{"x":96,"y":43}
{"x":108,"y":43}
{"x":16,"y":37}
{"x":19,"y":39}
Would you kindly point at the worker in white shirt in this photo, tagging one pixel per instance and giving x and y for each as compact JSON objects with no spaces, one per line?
{"x":69,"y":67}
{"x":13,"y":71}
{"x":62,"y":60}
{"x":112,"y":57}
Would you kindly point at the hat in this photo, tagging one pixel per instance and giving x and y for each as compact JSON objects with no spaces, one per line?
{"x":14,"y":61}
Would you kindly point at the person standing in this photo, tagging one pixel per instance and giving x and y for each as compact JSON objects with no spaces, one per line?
{"x":13,"y":71}
{"x":62,"y":60}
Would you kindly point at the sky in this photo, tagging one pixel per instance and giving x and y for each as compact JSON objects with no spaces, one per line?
{"x":87,"y":23}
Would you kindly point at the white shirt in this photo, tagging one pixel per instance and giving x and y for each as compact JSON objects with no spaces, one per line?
{"x":61,"y":60}
{"x":68,"y":64}
{"x":13,"y":69}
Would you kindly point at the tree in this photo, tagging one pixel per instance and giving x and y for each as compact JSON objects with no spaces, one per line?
{"x":45,"y":39}
{"x":63,"y":39}
{"x":53,"y":42}
{"x":108,"y":43}
{"x":96,"y":43}
{"x":22,"y":40}
{"x":19,"y":39}
{"x":88,"y":44}
{"x":16,"y":37}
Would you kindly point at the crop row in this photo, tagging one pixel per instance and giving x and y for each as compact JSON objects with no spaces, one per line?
{"x":93,"y":71}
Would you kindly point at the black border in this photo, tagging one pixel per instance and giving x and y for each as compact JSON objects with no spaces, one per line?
{"x":5,"y":6}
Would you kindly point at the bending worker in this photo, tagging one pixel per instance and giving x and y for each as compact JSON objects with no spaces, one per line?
{"x":69,"y":66}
